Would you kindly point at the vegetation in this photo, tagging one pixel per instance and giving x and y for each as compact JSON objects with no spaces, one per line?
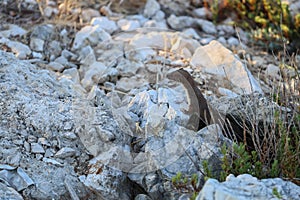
{"x":270,"y":21}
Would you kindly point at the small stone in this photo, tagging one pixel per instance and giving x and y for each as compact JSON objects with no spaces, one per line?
{"x":207,"y":26}
{"x":37,"y":148}
{"x":205,"y":41}
{"x":62,"y":60}
{"x":202,"y":13}
{"x":37,"y":55}
{"x":54,"y":48}
{"x":151,"y":8}
{"x":48,"y":153}
{"x":68,"y":126}
{"x":159,"y":16}
{"x":38,"y":156}
{"x":12,"y":30}
{"x":65,"y":152}
{"x":88,"y":14}
{"x":222,"y":40}
{"x":53,"y":162}
{"x":272,"y":70}
{"x":104,"y":23}
{"x":190,"y":32}
{"x":233,"y":41}
{"x":128,"y":25}
{"x":55,"y":66}
{"x":27,"y":146}
{"x":31,"y":139}
{"x":72,"y":74}
{"x":69,"y":135}
{"x":43,"y":141}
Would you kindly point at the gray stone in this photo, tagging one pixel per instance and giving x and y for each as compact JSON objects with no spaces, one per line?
{"x":272,"y":70}
{"x":21,"y":50}
{"x":247,"y":187}
{"x":151,"y":8}
{"x":65,"y":152}
{"x":16,"y":178}
{"x":202,"y":13}
{"x":72,"y":74}
{"x":37,"y":148}
{"x":55,"y":66}
{"x":37,"y":44}
{"x":181,"y":22}
{"x":89,"y":35}
{"x":128,"y":25}
{"x":190,"y":32}
{"x":142,"y":197}
{"x":222,"y":40}
{"x":88,"y":14}
{"x":11,"y":30}
{"x":104,"y":23}
{"x":7,"y":192}
{"x":207,"y":26}
{"x":233,"y":41}
{"x":216,"y":59}
{"x":96,"y":73}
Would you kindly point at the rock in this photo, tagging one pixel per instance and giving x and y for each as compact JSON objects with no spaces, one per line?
{"x":37,"y":148}
{"x":34,"y":102}
{"x":151,"y":8}
{"x":273,"y":71}
{"x":55,"y":66}
{"x":247,"y":187}
{"x":142,"y":197}
{"x":37,"y":44}
{"x":216,"y":59}
{"x":159,"y":16}
{"x":181,"y":22}
{"x":11,"y":30}
{"x":88,"y":14}
{"x":202,"y":13}
{"x":232,"y":41}
{"x":7,"y":192}
{"x":154,"y":24}
{"x":52,"y":162}
{"x":104,"y":23}
{"x":126,"y":84}
{"x":44,"y":32}
{"x":206,"y":40}
{"x":21,"y":50}
{"x":227,"y":29}
{"x":190,"y":32}
{"x":222,"y":40}
{"x":16,"y":178}
{"x":72,"y":74}
{"x":65,"y":152}
{"x":96,"y":73}
{"x":128,"y":25}
{"x":54,"y":49}
{"x":207,"y":26}
{"x":90,"y":35}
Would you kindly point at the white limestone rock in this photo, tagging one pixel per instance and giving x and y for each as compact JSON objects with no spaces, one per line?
{"x":245,"y":186}
{"x":216,"y":59}
{"x":128,"y":25}
{"x":37,"y":44}
{"x":108,"y":25}
{"x":89,"y":35}
{"x":151,"y":8}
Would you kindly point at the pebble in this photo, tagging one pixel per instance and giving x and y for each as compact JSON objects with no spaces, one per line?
{"x":65,"y":152}
{"x":55,"y":66}
{"x":151,"y":8}
{"x":232,"y":41}
{"x":109,"y":26}
{"x":12,"y":30}
{"x":37,"y":148}
{"x":53,"y":162}
{"x":88,"y":14}
{"x":207,"y":26}
{"x":272,"y":70}
{"x":202,"y":13}
{"x":69,"y":135}
{"x":128,"y":25}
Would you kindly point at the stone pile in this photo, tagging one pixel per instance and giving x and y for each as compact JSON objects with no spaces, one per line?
{"x":93,"y":115}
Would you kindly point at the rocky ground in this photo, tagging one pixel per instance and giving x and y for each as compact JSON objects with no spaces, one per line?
{"x":89,"y":108}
